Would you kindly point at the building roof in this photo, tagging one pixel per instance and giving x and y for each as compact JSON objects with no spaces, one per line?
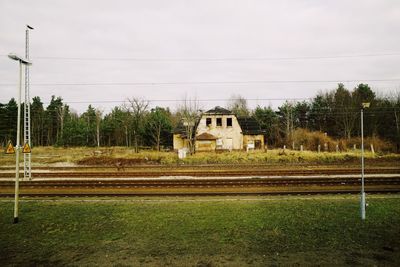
{"x":206,"y":136}
{"x":219,"y":111}
{"x":250,"y":125}
{"x":181,"y":128}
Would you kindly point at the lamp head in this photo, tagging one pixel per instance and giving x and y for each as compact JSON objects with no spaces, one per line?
{"x":20,"y":59}
{"x":366,"y":104}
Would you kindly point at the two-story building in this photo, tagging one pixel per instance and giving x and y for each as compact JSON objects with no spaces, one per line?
{"x":220,"y":129}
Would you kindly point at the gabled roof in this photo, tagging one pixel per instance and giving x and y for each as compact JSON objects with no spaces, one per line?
{"x":206,"y":136}
{"x":249,"y":125}
{"x":218,"y":111}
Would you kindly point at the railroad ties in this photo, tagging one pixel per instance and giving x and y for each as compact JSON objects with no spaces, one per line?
{"x":128,"y":183}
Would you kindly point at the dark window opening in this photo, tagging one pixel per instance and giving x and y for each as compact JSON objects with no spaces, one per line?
{"x":219,"y":121}
{"x":229,"y":122}
{"x":208,"y":121}
{"x":257,"y":144}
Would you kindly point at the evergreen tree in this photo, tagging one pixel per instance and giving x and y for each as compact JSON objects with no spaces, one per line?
{"x":158,"y":127}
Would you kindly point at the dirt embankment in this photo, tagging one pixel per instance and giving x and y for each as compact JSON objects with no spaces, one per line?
{"x":116,"y":162}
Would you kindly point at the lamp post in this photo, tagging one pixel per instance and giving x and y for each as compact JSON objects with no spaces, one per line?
{"x":362,"y":202}
{"x":22,"y":61}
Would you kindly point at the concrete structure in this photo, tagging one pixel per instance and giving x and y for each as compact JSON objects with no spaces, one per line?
{"x":220,"y":129}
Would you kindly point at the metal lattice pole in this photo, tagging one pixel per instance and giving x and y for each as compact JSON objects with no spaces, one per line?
{"x":27,"y":111}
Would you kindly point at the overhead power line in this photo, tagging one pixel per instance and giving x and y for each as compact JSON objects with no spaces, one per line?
{"x":214,"y":59}
{"x":309,"y":114}
{"x":207,"y":82}
{"x":292,"y":101}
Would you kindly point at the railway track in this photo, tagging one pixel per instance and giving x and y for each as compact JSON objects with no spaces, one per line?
{"x":199,"y":186}
{"x":202,"y":172}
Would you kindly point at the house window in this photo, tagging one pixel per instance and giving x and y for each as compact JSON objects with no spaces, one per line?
{"x":219,"y":121}
{"x":229,"y":122}
{"x":208,"y":122}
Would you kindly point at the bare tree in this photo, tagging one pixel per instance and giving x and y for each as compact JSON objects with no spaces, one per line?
{"x":286,"y":112}
{"x":189,"y":115}
{"x":99,"y":114}
{"x":395,"y":103}
{"x":238,"y":105}
{"x":137,"y":108}
{"x":61,"y":115}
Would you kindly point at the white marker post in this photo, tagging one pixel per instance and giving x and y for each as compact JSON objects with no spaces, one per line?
{"x":25,"y":62}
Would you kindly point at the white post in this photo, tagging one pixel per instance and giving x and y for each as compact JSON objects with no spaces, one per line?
{"x":362,"y":168}
{"x":18,"y":147}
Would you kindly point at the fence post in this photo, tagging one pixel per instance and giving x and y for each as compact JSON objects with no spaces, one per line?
{"x":301,"y":148}
{"x":319,"y":148}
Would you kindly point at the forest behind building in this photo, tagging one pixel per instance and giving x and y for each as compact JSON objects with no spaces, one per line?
{"x":329,"y":117}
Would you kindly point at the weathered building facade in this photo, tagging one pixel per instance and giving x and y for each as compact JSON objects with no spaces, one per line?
{"x":220,"y":129}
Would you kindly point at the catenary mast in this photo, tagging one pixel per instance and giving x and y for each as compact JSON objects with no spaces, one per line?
{"x":27,"y":110}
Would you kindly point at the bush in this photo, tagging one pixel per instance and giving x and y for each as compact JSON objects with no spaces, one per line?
{"x":311,"y":140}
{"x":380,"y":145}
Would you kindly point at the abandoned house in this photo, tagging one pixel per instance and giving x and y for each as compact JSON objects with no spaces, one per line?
{"x":220,"y":129}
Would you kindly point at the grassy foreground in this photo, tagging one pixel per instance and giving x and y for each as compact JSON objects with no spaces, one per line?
{"x":202,"y":232}
{"x":109,"y":156}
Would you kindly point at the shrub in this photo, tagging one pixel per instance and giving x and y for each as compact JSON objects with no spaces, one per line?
{"x":379,"y":144}
{"x":311,"y":140}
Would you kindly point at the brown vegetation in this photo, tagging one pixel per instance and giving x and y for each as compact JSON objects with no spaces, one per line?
{"x":311,"y":141}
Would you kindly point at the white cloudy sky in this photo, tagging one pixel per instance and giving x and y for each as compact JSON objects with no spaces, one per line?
{"x":192,"y":44}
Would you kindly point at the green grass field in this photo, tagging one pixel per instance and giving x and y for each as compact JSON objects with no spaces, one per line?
{"x":257,"y":231}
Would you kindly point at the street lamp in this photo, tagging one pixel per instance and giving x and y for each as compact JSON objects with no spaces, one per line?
{"x":362,"y":203}
{"x":22,"y":61}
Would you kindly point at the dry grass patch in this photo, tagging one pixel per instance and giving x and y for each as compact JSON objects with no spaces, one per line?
{"x":114,"y":156}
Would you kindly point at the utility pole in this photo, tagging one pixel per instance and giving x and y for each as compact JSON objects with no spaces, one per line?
{"x":27,"y":110}
{"x":362,"y":202}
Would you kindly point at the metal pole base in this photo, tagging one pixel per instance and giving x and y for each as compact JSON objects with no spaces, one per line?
{"x":362,"y":206}
{"x":15,"y":220}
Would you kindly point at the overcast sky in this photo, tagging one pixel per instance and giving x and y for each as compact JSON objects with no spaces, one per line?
{"x":192,"y":44}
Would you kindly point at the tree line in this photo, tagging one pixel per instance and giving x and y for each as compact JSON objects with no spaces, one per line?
{"x":134,"y":124}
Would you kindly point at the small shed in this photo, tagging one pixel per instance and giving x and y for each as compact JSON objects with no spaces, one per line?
{"x":253,"y":135}
{"x":206,"y":142}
